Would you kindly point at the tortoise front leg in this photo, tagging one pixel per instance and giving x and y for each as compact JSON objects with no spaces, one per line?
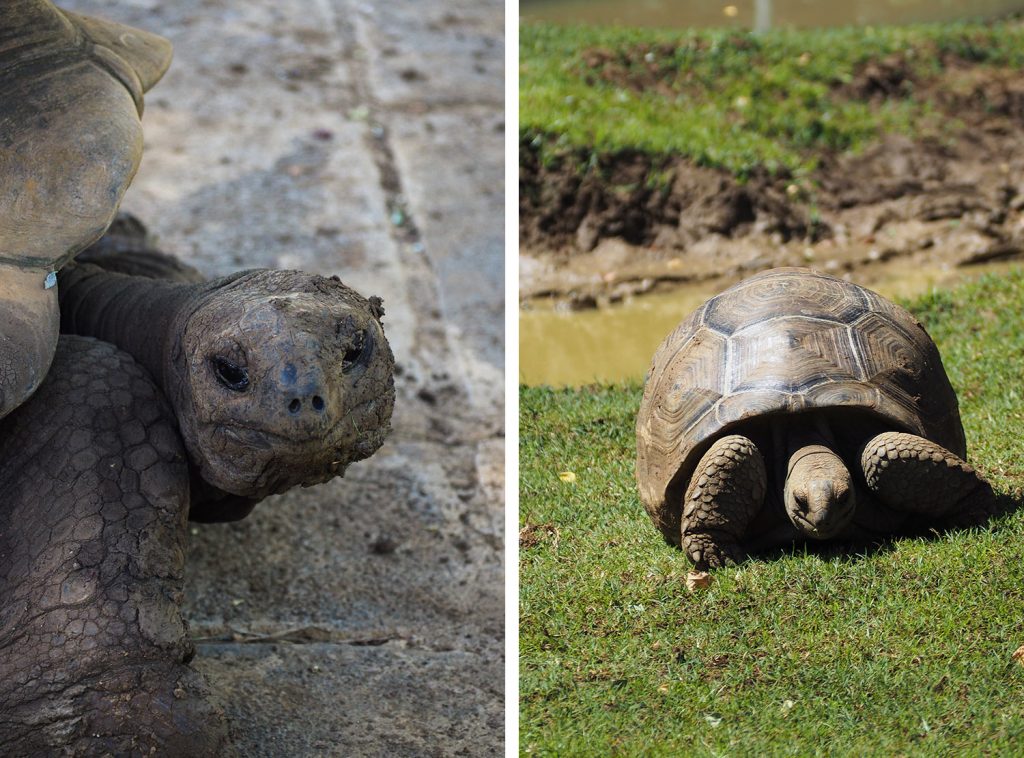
{"x":726,"y":491}
{"x":93,"y":499}
{"x":911,"y":474}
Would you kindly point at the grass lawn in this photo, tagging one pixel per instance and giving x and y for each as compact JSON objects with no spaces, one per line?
{"x":736,"y":100}
{"x":903,"y":650}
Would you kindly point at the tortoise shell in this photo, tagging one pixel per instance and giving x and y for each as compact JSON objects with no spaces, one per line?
{"x":70,"y":135}
{"x":788,"y":340}
{"x":70,"y":142}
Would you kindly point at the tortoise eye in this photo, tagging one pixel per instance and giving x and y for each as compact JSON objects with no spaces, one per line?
{"x":235,"y":378}
{"x":355,"y":351}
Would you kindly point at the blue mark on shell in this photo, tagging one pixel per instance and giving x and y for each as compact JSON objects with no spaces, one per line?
{"x":51,"y":280}
{"x":288,"y":374}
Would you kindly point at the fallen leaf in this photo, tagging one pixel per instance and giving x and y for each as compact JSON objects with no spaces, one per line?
{"x":698,"y":580}
{"x":663,"y":688}
{"x":567,"y":476}
{"x":1018,"y":655}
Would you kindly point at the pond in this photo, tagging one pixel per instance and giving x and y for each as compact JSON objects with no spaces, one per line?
{"x":760,"y":14}
{"x":612,"y":344}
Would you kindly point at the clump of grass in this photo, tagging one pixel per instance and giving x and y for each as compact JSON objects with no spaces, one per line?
{"x":907,"y":649}
{"x":743,"y":102}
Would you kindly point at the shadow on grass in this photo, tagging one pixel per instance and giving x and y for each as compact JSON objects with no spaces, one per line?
{"x":849,"y":551}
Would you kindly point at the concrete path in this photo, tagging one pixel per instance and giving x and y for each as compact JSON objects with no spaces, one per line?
{"x":364,"y":616}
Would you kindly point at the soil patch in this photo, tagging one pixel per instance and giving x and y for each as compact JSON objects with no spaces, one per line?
{"x":601,"y":228}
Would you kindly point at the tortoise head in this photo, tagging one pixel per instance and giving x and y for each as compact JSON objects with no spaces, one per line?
{"x":819,"y":494}
{"x":280,"y":378}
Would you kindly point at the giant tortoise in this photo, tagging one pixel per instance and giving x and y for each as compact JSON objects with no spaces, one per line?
{"x":795,"y":405}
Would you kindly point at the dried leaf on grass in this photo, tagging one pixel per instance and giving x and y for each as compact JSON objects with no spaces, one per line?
{"x":1018,"y":655}
{"x":567,"y":476}
{"x":698,"y":580}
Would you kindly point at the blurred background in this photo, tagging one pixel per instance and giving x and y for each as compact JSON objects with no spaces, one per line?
{"x":758,"y":14}
{"x":668,"y":149}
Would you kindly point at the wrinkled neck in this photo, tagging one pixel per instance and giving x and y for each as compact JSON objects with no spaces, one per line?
{"x":141,"y":316}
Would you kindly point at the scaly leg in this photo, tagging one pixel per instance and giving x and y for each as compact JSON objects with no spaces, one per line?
{"x":93,"y":501}
{"x":726,"y":491}
{"x":911,"y":474}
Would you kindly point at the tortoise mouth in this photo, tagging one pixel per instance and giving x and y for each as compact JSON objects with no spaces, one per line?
{"x":249,"y":437}
{"x":821,"y":523}
{"x":823,"y":530}
{"x":254,"y":462}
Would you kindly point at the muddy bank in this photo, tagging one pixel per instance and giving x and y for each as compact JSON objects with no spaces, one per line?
{"x":629,"y":223}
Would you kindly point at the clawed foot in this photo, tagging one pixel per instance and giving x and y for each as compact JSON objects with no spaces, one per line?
{"x":708,"y":550}
{"x":147,"y":710}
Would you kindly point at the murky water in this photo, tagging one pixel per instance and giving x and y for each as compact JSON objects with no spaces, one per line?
{"x":760,"y":14}
{"x":616,"y":343}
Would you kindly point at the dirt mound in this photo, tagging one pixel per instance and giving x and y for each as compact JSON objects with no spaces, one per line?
{"x":565,"y":208}
{"x":958,"y":194}
{"x":892,"y":76}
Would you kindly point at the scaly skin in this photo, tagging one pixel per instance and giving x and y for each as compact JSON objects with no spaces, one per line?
{"x":911,"y":474}
{"x":726,"y":491}
{"x":104,"y":465}
{"x":93,"y":649}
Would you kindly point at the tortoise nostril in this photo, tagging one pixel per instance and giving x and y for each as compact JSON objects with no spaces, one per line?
{"x":318,"y":403}
{"x":295,"y":405}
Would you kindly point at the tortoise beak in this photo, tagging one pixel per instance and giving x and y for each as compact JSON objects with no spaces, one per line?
{"x":823,"y":510}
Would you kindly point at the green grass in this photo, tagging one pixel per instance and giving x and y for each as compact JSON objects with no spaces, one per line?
{"x":734,"y":100}
{"x":905,"y":650}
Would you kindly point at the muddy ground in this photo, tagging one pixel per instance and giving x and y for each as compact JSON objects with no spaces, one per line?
{"x":953,"y":198}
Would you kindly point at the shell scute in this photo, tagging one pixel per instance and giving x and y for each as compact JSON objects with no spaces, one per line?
{"x":774,"y":292}
{"x":70,"y":101}
{"x":791,"y":354}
